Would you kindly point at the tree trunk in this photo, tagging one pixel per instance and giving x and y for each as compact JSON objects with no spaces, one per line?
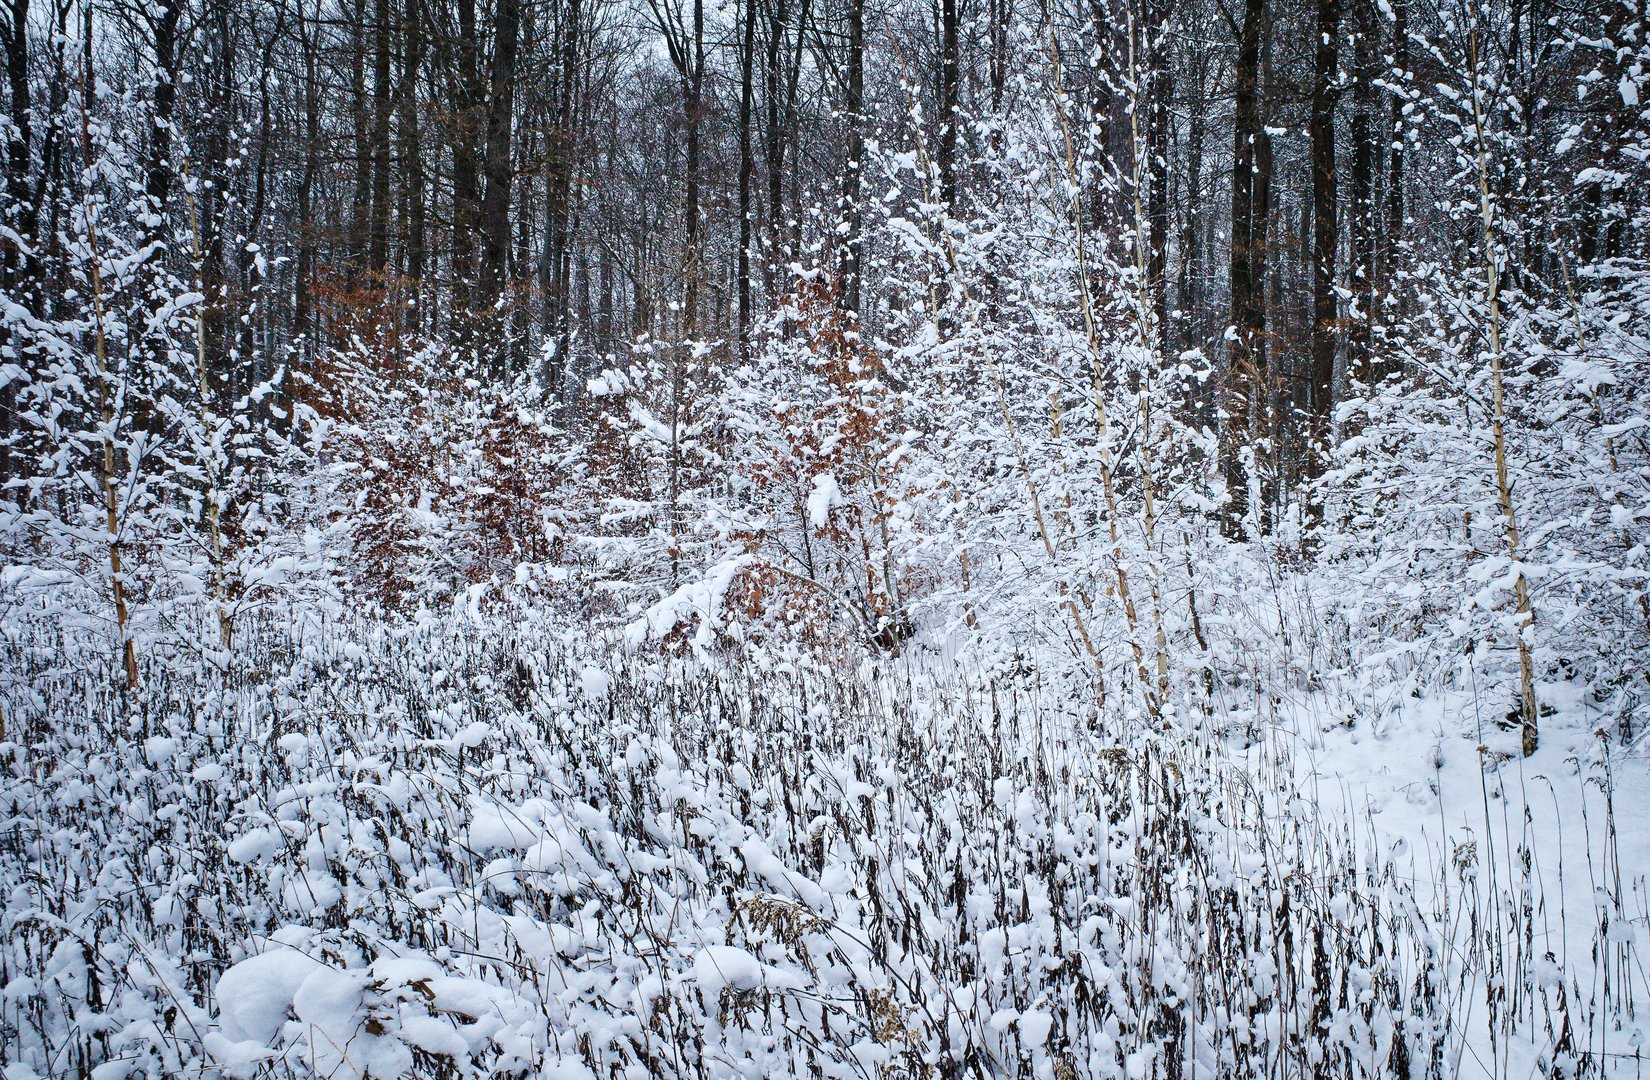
{"x":1395,"y":134}
{"x":949,"y":102}
{"x":378,"y":237}
{"x":360,"y":222}
{"x":1325,"y":209}
{"x":164,"y":20}
{"x":1527,"y":706}
{"x":466,"y":166}
{"x":1362,"y":193}
{"x":20,"y":211}
{"x":305,"y":327}
{"x":854,"y":110}
{"x":1189,"y":289}
{"x":411,"y":138}
{"x":694,"y":79}
{"x":556,"y":266}
{"x":495,"y":206}
{"x":998,"y":13}
{"x":747,"y":172}
{"x":1244,"y":377}
{"x":1159,"y":92}
{"x":251,"y":269}
{"x":111,"y":457}
{"x":774,"y":137}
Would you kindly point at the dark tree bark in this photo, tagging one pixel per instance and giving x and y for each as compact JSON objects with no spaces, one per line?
{"x":1325,"y":212}
{"x":1267,"y":267}
{"x":164,"y":19}
{"x":495,"y":206}
{"x":1395,"y":135}
{"x":20,"y":210}
{"x":853,"y":169}
{"x":1362,"y":193}
{"x":747,"y":171}
{"x":217,"y":82}
{"x":305,"y":327}
{"x":411,"y":139}
{"x":606,"y":322}
{"x":950,"y":88}
{"x":784,"y":62}
{"x":378,"y":242}
{"x":556,"y":270}
{"x":774,"y":136}
{"x":998,"y":13}
{"x":360,"y":222}
{"x":1189,"y":288}
{"x":684,"y":36}
{"x":46,"y":268}
{"x":250,"y":267}
{"x":163,"y":22}
{"x":694,"y":79}
{"x":1159,"y":92}
{"x":1245,"y":373}
{"x":466,"y":185}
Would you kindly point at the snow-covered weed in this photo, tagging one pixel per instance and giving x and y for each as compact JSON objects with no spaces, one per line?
{"x":449,"y":853}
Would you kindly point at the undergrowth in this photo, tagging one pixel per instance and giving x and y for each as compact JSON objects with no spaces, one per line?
{"x":452,"y":853}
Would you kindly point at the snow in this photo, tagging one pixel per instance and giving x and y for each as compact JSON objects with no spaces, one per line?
{"x":849,"y":705}
{"x":719,"y":966}
{"x":609,"y":868}
{"x":256,"y":845}
{"x":595,"y":683}
{"x":697,"y":603}
{"x":255,"y":997}
{"x":824,"y":496}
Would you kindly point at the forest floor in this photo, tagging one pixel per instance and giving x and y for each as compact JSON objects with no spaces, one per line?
{"x":1437,"y":776}
{"x":468,"y":850}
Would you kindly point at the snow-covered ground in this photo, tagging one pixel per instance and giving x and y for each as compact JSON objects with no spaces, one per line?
{"x":1442,"y":790}
{"x":466,"y":852}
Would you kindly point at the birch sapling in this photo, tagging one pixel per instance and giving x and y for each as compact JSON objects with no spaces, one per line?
{"x":1092,"y":335}
{"x":105,"y":405}
{"x":206,"y":438}
{"x":1503,"y":482}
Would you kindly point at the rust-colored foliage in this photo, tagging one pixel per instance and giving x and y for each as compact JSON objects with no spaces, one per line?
{"x":511,"y":488}
{"x":439,"y":478}
{"x":845,"y":430}
{"x":360,"y":307}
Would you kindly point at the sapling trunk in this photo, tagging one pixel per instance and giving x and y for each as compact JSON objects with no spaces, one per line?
{"x":106,"y":415}
{"x":1091,"y":330}
{"x":1068,"y":596}
{"x":212,"y":512}
{"x":1032,"y":489}
{"x":1147,"y":337}
{"x":1503,"y":484}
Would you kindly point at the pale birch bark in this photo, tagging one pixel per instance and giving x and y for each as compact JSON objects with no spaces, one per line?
{"x":106,"y":416}
{"x":1503,"y":483}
